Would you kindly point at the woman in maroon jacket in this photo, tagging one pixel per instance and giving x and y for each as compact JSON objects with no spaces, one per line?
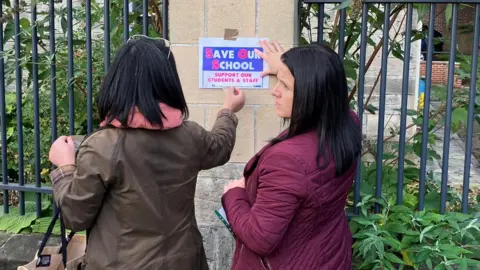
{"x":288,"y":210}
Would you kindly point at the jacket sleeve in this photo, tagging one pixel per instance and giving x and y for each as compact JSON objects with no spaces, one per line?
{"x":281,"y":190}
{"x":216,"y":146}
{"x":79,"y":189}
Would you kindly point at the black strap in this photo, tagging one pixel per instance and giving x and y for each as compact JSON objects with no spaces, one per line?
{"x":63,"y":249}
{"x":48,"y":233}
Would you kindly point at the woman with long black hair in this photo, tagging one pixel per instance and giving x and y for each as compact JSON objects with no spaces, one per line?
{"x":288,"y":210}
{"x":133,"y":181}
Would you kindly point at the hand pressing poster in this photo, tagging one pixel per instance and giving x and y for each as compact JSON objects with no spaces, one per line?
{"x":224,"y":63}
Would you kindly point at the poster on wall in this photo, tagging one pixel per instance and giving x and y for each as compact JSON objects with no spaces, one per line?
{"x":224,"y":63}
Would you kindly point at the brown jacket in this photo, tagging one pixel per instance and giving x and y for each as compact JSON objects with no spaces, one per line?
{"x":134,"y":188}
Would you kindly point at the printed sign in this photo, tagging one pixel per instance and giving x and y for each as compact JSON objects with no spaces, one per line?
{"x":224,"y":63}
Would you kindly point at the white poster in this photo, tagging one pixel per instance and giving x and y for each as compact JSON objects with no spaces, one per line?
{"x":224,"y":63}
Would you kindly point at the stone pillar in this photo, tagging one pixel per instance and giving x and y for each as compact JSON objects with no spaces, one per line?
{"x":188,"y":21}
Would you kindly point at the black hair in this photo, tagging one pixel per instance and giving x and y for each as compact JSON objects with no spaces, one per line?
{"x":320,"y":102}
{"x":142,"y":74}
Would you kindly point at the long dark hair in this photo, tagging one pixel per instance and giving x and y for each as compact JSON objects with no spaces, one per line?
{"x":320,"y":102}
{"x":142,"y":74}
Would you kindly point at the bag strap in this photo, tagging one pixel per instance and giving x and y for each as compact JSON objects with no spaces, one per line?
{"x":63,"y":248}
{"x":48,"y":233}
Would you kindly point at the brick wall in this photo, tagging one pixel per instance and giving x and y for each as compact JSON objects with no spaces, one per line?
{"x":440,"y":73}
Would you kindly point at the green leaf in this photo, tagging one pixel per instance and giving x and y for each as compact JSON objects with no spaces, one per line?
{"x":393,"y":258}
{"x":371,"y":109}
{"x":425,"y":231}
{"x":8,"y":32}
{"x":433,"y":217}
{"x":459,"y":115}
{"x":399,"y":228}
{"x":13,"y":223}
{"x":448,"y":14}
{"x":422,"y":255}
{"x":401,"y":209}
{"x":410,"y":199}
{"x":429,"y":263}
{"x":41,"y":226}
{"x":422,"y":9}
{"x":24,"y":23}
{"x":343,"y":5}
{"x":63,"y":23}
{"x":463,"y":264}
{"x":457,"y":217}
{"x":393,"y":243}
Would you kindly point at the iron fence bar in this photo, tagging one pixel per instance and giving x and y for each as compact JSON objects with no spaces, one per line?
{"x":71,"y":93}
{"x":18,"y":89}
{"x":88,"y":33}
{"x":3,"y":118}
{"x":341,"y":36}
{"x":53,"y":71}
{"x":126,"y":27}
{"x":145,"y":17}
{"x":381,"y":111}
{"x":448,"y":114}
{"x":471,"y":111}
{"x":320,"y":22}
{"x":165,"y":33}
{"x":36,"y":106}
{"x":404,"y":104}
{"x":426,"y":110}
{"x":361,"y":93}
{"x":26,"y":188}
{"x":53,"y":79}
{"x":106,"y":34}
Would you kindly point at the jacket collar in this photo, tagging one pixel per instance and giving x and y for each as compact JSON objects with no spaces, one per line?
{"x":173,"y":118}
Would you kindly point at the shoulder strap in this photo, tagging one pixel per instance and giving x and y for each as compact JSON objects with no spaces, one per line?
{"x":48,"y":233}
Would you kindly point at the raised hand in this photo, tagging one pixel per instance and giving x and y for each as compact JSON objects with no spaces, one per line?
{"x":272,"y":53}
{"x":234,"y":99}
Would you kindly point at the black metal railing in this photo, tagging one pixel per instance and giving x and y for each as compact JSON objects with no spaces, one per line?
{"x":14,"y":179}
{"x":364,"y":8}
{"x":17,"y":181}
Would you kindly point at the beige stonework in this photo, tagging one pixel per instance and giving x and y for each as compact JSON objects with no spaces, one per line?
{"x":244,"y":144}
{"x":239,"y":14}
{"x":258,"y":123}
{"x":197,"y":114}
{"x":187,"y":20}
{"x":276,"y":20}
{"x":267,"y":125}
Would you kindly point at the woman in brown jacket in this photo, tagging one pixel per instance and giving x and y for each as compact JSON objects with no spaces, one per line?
{"x":133,"y":181}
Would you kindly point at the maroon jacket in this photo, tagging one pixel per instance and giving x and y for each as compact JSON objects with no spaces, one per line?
{"x":291,"y":214}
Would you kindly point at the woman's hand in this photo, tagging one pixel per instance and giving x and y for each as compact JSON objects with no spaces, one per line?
{"x":62,"y":152}
{"x":272,"y":53}
{"x":235,"y":183}
{"x":234,"y":99}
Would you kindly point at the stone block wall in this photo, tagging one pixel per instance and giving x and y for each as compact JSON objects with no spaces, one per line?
{"x":188,"y":21}
{"x":191,"y":19}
